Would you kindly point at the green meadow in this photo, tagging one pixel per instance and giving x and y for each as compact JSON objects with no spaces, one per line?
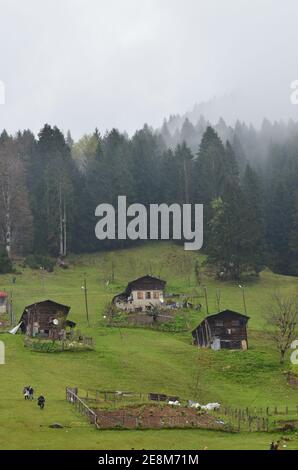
{"x":141,"y":360}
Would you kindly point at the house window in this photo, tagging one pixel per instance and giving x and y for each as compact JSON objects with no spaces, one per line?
{"x":148,"y":295}
{"x":219,"y":323}
{"x":156,"y":295}
{"x":140,"y":296}
{"x":235,"y":323}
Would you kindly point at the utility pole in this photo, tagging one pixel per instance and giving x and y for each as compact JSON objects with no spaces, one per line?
{"x":42,"y":279}
{"x":218,"y":299}
{"x":243,"y":297}
{"x":206,"y":300}
{"x":12,"y":315}
{"x":86,"y":298}
{"x":11,"y":310}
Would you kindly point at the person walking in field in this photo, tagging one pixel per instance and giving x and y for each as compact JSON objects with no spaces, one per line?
{"x":31,"y":393}
{"x":26,"y":392}
{"x":41,"y":402}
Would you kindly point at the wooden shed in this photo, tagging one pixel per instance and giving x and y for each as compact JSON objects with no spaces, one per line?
{"x":224,"y":330}
{"x":46,"y":319}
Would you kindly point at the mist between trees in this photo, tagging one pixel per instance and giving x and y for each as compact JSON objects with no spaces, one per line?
{"x":50,"y":187}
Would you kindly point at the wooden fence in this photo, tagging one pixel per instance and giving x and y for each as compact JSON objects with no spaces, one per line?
{"x":234,"y":419}
{"x":123,"y":418}
{"x":78,"y":403}
{"x":108,"y":396}
{"x":255,"y":419}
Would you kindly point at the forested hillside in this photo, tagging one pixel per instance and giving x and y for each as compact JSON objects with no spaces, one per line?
{"x":246,"y":179}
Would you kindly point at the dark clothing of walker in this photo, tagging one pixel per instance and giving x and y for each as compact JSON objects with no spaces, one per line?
{"x":41,"y":402}
{"x":31,"y":393}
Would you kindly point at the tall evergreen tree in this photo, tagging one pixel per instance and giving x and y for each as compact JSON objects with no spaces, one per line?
{"x":254,"y":195}
{"x":279,"y":213}
{"x":210,"y":168}
{"x":293,"y":237}
{"x":232,"y":246}
{"x":52,"y":192}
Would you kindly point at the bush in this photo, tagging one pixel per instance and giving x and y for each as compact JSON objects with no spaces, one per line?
{"x":38,"y":261}
{"x":5,"y":262}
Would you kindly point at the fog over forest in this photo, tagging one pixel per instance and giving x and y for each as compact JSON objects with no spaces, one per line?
{"x":212,"y":80}
{"x":81,"y":64}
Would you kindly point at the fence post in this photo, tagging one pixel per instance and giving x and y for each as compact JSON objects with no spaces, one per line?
{"x":263,"y":424}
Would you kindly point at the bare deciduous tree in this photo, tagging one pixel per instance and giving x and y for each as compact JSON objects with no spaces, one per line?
{"x":283,"y":319}
{"x":110,"y":313}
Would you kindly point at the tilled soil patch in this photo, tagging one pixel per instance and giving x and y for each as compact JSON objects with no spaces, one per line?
{"x":156,"y":417}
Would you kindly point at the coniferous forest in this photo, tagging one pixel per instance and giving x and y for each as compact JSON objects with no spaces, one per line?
{"x":246,"y":179}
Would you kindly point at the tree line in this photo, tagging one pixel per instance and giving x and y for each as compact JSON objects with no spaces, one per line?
{"x":247,"y":181}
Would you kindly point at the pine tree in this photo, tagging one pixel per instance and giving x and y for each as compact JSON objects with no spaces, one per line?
{"x":279,"y":228}
{"x":293,"y":237}
{"x":52,"y":192}
{"x":231,"y":165}
{"x":210,"y":168}
{"x":254,"y":195}
{"x":232,"y":247}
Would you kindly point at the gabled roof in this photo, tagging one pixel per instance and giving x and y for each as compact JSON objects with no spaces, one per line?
{"x":48,"y":300}
{"x":142,"y":283}
{"x":66,"y":307}
{"x":221,"y":314}
{"x":225,"y":312}
{"x":145,"y":281}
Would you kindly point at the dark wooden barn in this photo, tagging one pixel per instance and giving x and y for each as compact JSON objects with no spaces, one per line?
{"x":224,"y":330}
{"x":46,"y":319}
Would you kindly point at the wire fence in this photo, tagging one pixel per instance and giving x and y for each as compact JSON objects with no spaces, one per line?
{"x":116,"y":409}
{"x":262,"y":419}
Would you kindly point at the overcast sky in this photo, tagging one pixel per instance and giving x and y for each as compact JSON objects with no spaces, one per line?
{"x":120,"y":63}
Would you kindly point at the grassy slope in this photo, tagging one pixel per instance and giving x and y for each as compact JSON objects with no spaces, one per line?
{"x":137,"y":359}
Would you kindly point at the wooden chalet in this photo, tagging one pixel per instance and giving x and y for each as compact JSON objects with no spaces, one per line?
{"x":224,"y":330}
{"x":46,"y":319}
{"x":141,"y":294}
